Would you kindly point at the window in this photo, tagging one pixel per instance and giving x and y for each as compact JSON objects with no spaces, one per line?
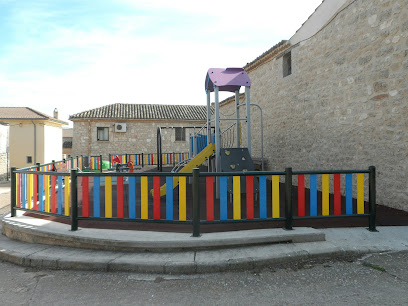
{"x":103,"y":134}
{"x":287,"y":64}
{"x":180,"y":134}
{"x":29,"y":159}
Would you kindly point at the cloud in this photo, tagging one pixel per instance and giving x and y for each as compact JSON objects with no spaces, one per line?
{"x":86,"y":56}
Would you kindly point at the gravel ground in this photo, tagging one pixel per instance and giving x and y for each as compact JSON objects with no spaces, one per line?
{"x":380,"y":279}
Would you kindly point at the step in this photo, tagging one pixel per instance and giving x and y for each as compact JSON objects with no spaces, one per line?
{"x":34,"y":230}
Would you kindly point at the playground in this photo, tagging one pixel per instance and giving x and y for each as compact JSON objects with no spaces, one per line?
{"x":213,"y":187}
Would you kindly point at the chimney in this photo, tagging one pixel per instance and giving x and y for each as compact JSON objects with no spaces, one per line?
{"x":55,"y":113}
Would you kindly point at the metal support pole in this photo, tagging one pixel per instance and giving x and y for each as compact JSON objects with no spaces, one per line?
{"x":288,"y":200}
{"x":209,"y":138}
{"x":208,"y":117}
{"x":196,"y":202}
{"x":74,"y":200}
{"x":13,"y":191}
{"x":217,"y":140}
{"x":237,"y":115}
{"x":248,"y":115}
{"x":100,"y":160}
{"x":372,"y":199}
{"x":142,"y":160}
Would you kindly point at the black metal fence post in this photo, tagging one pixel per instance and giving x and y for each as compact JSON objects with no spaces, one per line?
{"x":372,"y":199}
{"x":100,"y":159}
{"x":196,"y":202}
{"x":142,"y":160}
{"x":288,"y":200}
{"x":74,"y":200}
{"x":13,"y":191}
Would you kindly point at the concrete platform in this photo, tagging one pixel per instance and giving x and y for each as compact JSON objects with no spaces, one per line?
{"x":44,"y":244}
{"x":34,"y":230}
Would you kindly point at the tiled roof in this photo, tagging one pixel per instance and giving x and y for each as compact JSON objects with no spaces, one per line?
{"x":145,"y":112}
{"x":267,"y":56}
{"x":25,"y":113}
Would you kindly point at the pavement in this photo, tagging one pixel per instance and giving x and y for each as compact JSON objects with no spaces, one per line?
{"x":40,"y":243}
{"x":43,"y":244}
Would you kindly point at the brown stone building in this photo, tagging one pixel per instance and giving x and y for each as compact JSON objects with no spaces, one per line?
{"x":132,"y":128}
{"x":335,"y":96}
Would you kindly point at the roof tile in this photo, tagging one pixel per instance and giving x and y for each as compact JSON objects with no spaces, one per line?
{"x":145,"y":111}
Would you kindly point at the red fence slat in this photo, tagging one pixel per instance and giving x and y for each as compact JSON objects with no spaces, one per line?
{"x":301,"y":195}
{"x":85,"y":196}
{"x":156,"y":198}
{"x":337,"y":194}
{"x":210,"y":197}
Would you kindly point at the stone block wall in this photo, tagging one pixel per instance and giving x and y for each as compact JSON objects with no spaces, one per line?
{"x":140,"y":137}
{"x":345,"y":105}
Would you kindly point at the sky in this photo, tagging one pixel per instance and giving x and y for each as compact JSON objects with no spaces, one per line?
{"x":76,"y":55}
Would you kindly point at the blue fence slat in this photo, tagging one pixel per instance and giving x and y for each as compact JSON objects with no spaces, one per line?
{"x":169,"y":198}
{"x":40,"y":192}
{"x":132,"y":197}
{"x":223,"y":198}
{"x":313,"y":195}
{"x":60,"y":195}
{"x":262,"y":197}
{"x":97,"y":197}
{"x":349,"y":194}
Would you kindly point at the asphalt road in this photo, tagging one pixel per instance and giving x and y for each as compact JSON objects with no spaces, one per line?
{"x":380,"y":279}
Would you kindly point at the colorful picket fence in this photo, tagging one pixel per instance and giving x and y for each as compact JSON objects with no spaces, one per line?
{"x":142,"y":159}
{"x":103,"y":197}
{"x":48,"y":193}
{"x":95,"y":162}
{"x":242,"y":197}
{"x":74,"y":163}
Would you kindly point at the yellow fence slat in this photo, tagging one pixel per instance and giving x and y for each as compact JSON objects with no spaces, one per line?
{"x":30,"y":191}
{"x":237,"y":197}
{"x":144,"y":197}
{"x":325,"y":195}
{"x":47,"y":192}
{"x":108,"y":197}
{"x":182,"y":198}
{"x":360,"y":193}
{"x":275,"y":196}
{"x":67,"y":191}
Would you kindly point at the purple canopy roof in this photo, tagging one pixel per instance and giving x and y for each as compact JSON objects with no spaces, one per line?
{"x":230,"y":79}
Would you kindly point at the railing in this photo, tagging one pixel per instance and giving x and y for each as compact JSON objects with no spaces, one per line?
{"x":244,"y":197}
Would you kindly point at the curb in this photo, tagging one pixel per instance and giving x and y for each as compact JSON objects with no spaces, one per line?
{"x":197,"y":262}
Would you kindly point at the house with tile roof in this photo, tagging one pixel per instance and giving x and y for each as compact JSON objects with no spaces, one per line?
{"x":334,"y":95}
{"x":132,"y":128}
{"x":34,"y":137}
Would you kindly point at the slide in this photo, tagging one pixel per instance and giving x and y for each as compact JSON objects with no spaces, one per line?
{"x":194,"y":163}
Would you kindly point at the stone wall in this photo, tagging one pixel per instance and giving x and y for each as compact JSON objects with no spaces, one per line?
{"x":345,"y":105}
{"x":140,"y":137}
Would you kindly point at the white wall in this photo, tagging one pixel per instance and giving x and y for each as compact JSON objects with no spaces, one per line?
{"x":52,"y":143}
{"x":317,"y":20}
